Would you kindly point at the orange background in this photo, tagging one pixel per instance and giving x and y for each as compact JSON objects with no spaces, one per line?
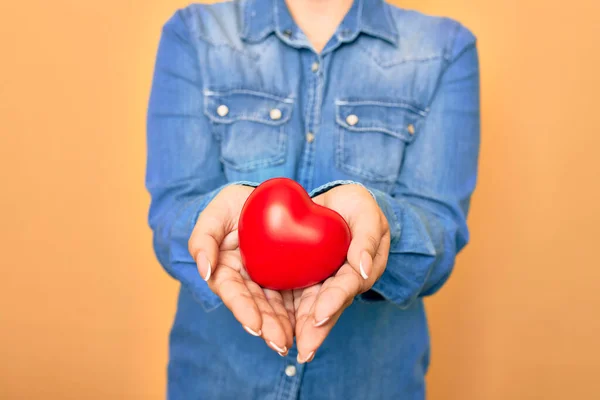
{"x":85,"y":308}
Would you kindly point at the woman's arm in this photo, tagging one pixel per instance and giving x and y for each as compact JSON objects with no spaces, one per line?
{"x":428,"y":207}
{"x":183,"y":168}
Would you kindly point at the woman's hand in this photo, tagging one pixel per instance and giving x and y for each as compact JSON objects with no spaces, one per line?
{"x":214,"y":246}
{"x":318,"y":307}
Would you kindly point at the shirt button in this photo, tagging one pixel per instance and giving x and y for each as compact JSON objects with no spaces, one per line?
{"x":352,"y":119}
{"x":310,"y":137}
{"x":222,"y":110}
{"x":314,"y":67}
{"x":290,"y":370}
{"x":275,"y":114}
{"x":411,"y":129}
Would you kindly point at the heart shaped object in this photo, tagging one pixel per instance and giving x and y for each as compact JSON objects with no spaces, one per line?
{"x":286,"y":240}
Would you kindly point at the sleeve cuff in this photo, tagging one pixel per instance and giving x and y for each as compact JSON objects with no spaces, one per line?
{"x":411,"y":253}
{"x":330,"y":185}
{"x":183,"y":265}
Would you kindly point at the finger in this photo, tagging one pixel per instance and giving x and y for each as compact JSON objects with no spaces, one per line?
{"x":381,"y":258}
{"x":231,"y":259}
{"x":230,"y":242}
{"x":337,"y":295}
{"x":272,"y":331}
{"x":229,"y":285}
{"x":312,"y":337}
{"x":367,"y":232}
{"x":288,"y":302}
{"x":304,"y":299}
{"x":211,"y":228}
{"x":276,"y":301}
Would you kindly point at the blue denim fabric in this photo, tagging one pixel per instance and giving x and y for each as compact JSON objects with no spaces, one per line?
{"x":392,"y":103}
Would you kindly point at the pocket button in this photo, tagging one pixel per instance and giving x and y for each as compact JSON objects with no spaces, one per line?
{"x":352,"y":119}
{"x":411,"y":129}
{"x":275,"y":114}
{"x":222,"y":110}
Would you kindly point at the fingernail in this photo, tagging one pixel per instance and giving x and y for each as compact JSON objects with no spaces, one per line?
{"x":321,"y":322}
{"x":282,"y":354}
{"x":201,"y":256}
{"x":304,"y":360}
{"x":253,"y":333}
{"x":279,"y":349}
{"x":362,"y":271}
{"x":208,"y":274}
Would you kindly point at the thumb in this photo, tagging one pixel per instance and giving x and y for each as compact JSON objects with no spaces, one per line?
{"x":213,"y":224}
{"x":364,"y":245}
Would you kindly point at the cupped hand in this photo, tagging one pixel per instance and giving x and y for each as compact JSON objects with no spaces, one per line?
{"x":214,"y":245}
{"x":318,"y":307}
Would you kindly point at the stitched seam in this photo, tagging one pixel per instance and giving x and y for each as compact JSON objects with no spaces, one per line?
{"x":316,"y":117}
{"x":251,"y":165}
{"x":391,"y":22}
{"x":287,"y":99}
{"x":252,"y":118}
{"x":398,"y":135}
{"x":383,"y":35}
{"x":246,"y":20}
{"x":388,"y":64}
{"x":208,"y":41}
{"x":276,"y":17}
{"x":416,"y":109}
{"x":339,"y":152}
{"x":448,"y":49}
{"x":360,"y":17}
{"x":282,"y":142}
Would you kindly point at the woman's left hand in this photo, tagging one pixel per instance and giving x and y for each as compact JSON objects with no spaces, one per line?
{"x":318,"y":307}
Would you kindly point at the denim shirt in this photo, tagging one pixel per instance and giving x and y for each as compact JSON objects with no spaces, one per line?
{"x":391,"y":102}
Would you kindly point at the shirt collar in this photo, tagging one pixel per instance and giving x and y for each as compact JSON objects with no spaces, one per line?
{"x":263,"y":17}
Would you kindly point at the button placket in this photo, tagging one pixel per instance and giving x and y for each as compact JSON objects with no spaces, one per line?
{"x":291,"y":377}
{"x":290,"y":370}
{"x":314,"y":65}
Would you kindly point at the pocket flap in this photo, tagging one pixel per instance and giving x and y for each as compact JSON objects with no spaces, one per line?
{"x":401,"y":120}
{"x":235,"y":105}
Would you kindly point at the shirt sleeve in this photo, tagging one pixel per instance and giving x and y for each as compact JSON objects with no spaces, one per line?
{"x":183,"y":172}
{"x":428,"y":206}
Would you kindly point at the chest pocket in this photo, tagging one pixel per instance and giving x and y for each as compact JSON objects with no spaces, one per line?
{"x":372,"y":137}
{"x":251,"y":127}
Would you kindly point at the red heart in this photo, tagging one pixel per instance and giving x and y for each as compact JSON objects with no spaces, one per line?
{"x":286,"y":240}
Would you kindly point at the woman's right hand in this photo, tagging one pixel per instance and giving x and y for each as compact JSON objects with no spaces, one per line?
{"x":214,"y":245}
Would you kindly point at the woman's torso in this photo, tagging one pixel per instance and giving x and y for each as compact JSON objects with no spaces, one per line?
{"x":279,"y":109}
